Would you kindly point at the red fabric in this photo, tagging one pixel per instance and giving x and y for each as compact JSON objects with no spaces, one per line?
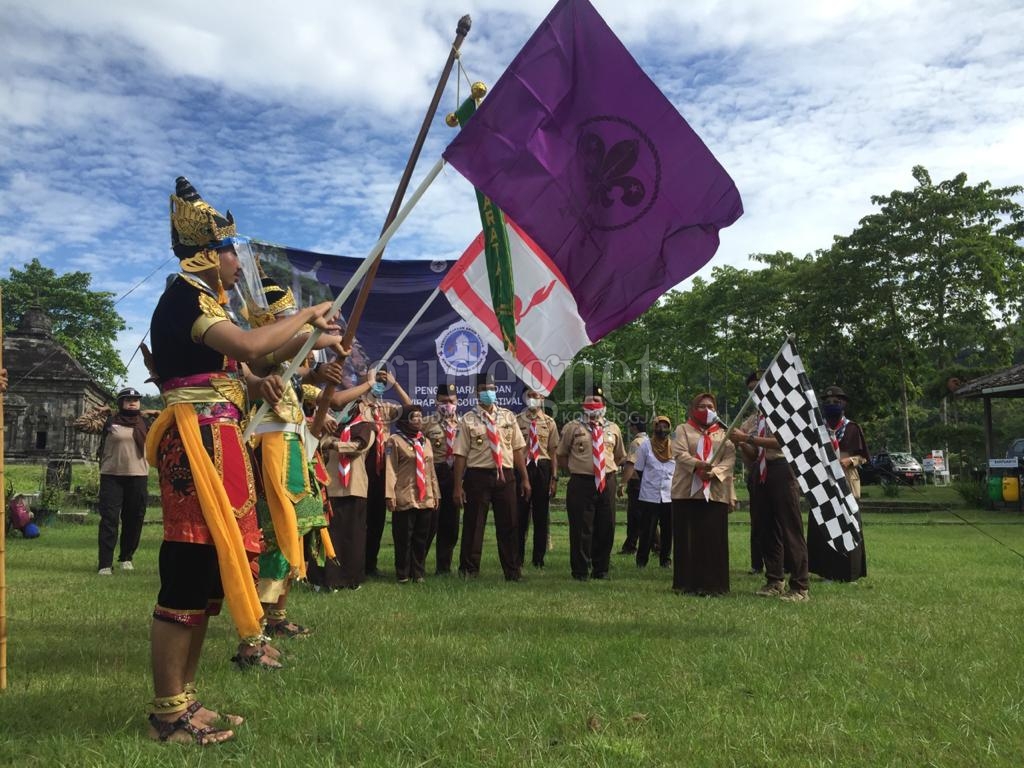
{"x":421,"y":469}
{"x":534,"y":442}
{"x":345,"y":462}
{"x":495,"y":440}
{"x":597,"y":444}
{"x":449,"y":443}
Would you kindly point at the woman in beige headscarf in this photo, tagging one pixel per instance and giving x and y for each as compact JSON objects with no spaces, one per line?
{"x":702,"y":494}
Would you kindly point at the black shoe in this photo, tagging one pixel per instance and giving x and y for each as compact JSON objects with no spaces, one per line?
{"x":600,"y":576}
{"x":445,"y":572}
{"x":375,"y":574}
{"x":538,"y":565}
{"x":625,"y":551}
{"x":581,"y":578}
{"x":666,"y":563}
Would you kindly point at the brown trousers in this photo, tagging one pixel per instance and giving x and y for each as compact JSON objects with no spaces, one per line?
{"x":591,"y":525}
{"x":776,"y":504}
{"x":483,"y":490}
{"x":348,"y":535}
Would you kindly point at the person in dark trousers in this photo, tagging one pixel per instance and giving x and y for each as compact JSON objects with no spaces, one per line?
{"x":124,"y":476}
{"x":656,"y":467}
{"x":775,"y":504}
{"x":442,"y":429}
{"x":541,"y":434}
{"x":591,"y":450}
{"x":638,"y":436}
{"x":489,"y":446}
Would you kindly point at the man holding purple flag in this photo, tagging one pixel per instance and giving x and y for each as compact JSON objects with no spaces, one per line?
{"x":579,"y":147}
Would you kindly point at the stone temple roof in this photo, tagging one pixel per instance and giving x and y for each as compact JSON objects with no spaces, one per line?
{"x":1008,"y":382}
{"x":31,"y":354}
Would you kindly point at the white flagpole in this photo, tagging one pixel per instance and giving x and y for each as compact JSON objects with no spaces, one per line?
{"x":386,"y":235}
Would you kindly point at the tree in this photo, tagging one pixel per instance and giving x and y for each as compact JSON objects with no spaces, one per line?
{"x":84,"y":321}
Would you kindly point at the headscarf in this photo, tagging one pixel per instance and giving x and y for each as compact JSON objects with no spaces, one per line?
{"x":135,"y":421}
{"x":661,"y":446}
{"x":403,"y":423}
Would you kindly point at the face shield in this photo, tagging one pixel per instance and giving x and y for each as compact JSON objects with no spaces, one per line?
{"x":246,"y":299}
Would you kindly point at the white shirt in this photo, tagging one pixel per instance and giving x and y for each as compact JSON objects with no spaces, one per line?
{"x":656,"y":485}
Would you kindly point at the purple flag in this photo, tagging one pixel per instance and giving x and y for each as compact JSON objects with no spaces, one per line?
{"x":581,"y":149}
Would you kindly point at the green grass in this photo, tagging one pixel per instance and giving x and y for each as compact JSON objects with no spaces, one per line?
{"x":917,"y":665}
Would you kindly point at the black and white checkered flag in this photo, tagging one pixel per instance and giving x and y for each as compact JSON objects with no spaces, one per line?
{"x":786,"y":398}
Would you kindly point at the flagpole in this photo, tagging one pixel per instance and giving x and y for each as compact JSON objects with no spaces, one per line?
{"x":461,"y":30}
{"x":742,"y":412}
{"x":378,"y":248}
{"x":3,"y":526}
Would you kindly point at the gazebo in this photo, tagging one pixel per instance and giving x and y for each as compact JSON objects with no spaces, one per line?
{"x":1008,"y":382}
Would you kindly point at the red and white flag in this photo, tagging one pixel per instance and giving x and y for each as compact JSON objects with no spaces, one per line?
{"x":549,"y":329}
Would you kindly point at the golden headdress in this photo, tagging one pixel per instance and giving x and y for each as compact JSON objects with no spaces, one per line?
{"x":280,"y":301}
{"x":196,"y":227}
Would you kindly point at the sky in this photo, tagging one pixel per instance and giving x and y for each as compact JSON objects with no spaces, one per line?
{"x":299,"y":117}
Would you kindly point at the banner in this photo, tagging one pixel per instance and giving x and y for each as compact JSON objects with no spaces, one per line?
{"x":441,"y":348}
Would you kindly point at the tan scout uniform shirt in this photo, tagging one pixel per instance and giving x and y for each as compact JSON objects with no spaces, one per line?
{"x":547,"y":433}
{"x":433,"y":430}
{"x":362,"y":434}
{"x":634,"y":446}
{"x":576,"y":445}
{"x":684,"y":449}
{"x":770,"y":454}
{"x":472,"y":441}
{"x":400,"y":478}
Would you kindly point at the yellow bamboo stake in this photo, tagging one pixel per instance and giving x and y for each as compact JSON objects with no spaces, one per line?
{"x":3,"y":526}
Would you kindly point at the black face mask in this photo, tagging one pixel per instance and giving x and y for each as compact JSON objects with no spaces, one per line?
{"x":661,"y":432}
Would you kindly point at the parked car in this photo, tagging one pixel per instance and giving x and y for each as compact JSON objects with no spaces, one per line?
{"x":892,"y":468}
{"x":1016,"y":449}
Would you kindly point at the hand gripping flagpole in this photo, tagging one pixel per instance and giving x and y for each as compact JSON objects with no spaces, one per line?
{"x":350,"y":286}
{"x":462,"y":29}
{"x":742,"y":412}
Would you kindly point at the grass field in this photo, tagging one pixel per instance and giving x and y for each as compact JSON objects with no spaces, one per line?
{"x":918,"y":665}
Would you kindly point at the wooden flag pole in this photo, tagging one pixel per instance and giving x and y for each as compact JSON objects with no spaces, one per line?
{"x":3,"y":527}
{"x":324,"y":404}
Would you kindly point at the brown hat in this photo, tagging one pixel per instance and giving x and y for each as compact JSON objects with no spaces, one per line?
{"x":836,"y":391}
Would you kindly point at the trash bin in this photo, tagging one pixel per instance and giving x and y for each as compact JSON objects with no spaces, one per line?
{"x":1004,"y":482}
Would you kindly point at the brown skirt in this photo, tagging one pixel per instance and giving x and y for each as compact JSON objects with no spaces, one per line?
{"x":700,"y":538}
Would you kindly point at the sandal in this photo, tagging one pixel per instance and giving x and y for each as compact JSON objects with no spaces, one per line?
{"x":204,"y":737}
{"x":287,"y":628}
{"x":258,"y":657}
{"x":194,"y":708}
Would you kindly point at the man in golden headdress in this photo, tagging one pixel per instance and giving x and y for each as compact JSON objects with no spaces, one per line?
{"x":207,"y":487}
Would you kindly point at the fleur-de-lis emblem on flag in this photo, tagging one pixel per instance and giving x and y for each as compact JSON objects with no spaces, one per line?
{"x":606,"y":174}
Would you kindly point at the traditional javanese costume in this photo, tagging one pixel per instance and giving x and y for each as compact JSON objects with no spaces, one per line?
{"x":207,"y":488}
{"x":292,"y":506}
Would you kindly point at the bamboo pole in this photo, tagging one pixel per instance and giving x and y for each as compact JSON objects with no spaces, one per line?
{"x":3,"y":526}
{"x":324,"y":404}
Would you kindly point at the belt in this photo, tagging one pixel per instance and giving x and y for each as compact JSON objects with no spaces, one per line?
{"x":277,"y":426}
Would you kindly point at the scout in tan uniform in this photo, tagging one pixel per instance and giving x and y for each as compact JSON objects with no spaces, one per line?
{"x":345,"y":453}
{"x":775,"y":504}
{"x":489,"y":445}
{"x":702,"y":495}
{"x":591,"y":449}
{"x":381,"y":414}
{"x":442,"y":428}
{"x":412,"y":493}
{"x":541,"y":434}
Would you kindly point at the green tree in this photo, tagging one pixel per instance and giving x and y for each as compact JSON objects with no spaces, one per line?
{"x":84,"y":321}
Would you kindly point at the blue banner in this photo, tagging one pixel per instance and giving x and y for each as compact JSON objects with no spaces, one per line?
{"x":442,"y":347}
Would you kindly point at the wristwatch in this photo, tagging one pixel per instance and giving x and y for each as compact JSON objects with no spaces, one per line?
{"x":750,"y":439}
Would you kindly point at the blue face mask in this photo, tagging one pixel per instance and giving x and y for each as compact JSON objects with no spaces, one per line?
{"x":832,"y":411}
{"x":377,"y":388}
{"x":345,"y":416}
{"x":487,"y":397}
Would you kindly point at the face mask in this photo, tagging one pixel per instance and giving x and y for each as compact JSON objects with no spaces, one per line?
{"x":534,"y":402}
{"x":377,"y":388}
{"x":130,"y":411}
{"x":344,"y":417}
{"x":832,"y":410}
{"x":487,"y":397}
{"x":446,"y":409}
{"x":594,"y":413}
{"x":661,"y":432}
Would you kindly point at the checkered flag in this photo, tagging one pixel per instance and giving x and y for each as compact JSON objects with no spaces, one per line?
{"x":786,"y":398}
